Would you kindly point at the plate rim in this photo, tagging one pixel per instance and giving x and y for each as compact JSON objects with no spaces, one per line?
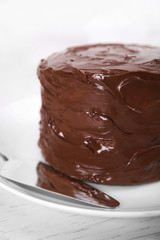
{"x":81,"y":211}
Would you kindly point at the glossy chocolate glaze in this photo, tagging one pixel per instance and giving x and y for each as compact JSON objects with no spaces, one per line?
{"x":53,"y":180}
{"x":100,"y":115}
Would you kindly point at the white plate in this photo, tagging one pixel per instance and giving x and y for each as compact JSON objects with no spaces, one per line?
{"x":18,"y":139}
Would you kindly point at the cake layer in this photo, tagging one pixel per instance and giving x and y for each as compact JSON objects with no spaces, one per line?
{"x":100,"y":115}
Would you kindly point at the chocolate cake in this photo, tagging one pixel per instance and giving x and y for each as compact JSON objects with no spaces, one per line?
{"x":100,"y":115}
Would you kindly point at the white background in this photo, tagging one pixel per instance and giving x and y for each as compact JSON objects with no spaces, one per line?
{"x":33,"y":29}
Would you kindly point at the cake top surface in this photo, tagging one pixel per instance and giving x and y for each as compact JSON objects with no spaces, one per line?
{"x":106,"y":58}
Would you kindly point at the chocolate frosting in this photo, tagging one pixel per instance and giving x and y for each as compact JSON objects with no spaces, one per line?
{"x":55,"y":181}
{"x":100,"y":115}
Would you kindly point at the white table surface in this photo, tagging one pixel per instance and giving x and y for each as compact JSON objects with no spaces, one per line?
{"x":22,"y":219}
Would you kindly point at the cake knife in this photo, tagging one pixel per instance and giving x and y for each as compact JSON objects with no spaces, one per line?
{"x":43,"y":195}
